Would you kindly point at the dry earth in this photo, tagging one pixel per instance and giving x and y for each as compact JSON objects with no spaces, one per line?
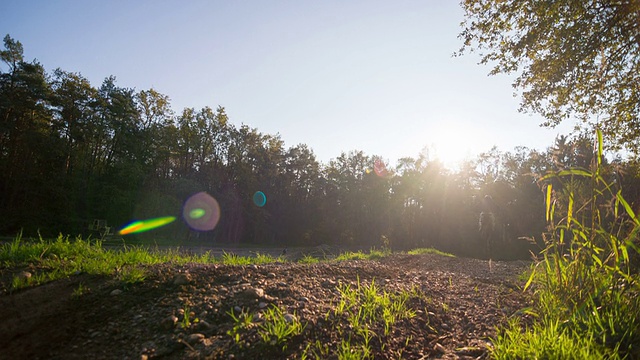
{"x":461,"y":303}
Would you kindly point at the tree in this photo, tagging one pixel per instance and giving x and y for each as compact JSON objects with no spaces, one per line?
{"x":573,"y":58}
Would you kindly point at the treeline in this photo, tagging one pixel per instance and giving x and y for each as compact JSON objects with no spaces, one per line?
{"x":71,"y":153}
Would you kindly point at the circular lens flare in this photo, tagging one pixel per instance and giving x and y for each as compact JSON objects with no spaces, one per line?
{"x":259,"y":198}
{"x":201,"y":212}
{"x":146,"y":225}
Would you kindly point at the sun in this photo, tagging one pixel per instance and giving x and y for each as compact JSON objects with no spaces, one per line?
{"x":453,"y":143}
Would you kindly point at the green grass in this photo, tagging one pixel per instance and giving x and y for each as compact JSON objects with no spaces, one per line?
{"x":423,"y":251}
{"x":62,"y":257}
{"x":587,"y":296}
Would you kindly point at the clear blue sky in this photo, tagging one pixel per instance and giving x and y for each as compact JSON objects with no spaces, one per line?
{"x":376,"y":76}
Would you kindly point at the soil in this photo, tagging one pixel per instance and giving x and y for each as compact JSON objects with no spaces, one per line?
{"x":457,"y":304}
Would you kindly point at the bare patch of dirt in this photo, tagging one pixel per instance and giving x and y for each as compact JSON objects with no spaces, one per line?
{"x":460,"y":304}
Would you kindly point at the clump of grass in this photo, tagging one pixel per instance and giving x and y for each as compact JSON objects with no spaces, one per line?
{"x":374,"y":254}
{"x":235,"y":259}
{"x":422,"y":251}
{"x":278,"y":327}
{"x":308,"y":259}
{"x":365,"y":307}
{"x":588,"y":297}
{"x":242,"y":321}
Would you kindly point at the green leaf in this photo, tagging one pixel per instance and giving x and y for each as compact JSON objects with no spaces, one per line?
{"x":627,"y":208}
{"x":548,"y":202}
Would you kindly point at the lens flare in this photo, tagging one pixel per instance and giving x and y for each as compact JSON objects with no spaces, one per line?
{"x":201,"y":212}
{"x":146,"y":225}
{"x":197,"y":213}
{"x":259,"y":198}
{"x":380,"y":168}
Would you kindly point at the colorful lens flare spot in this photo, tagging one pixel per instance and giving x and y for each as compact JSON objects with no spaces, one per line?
{"x":201,"y":212}
{"x":259,"y":198}
{"x":197,"y":213}
{"x":380,"y":168}
{"x":146,"y":225}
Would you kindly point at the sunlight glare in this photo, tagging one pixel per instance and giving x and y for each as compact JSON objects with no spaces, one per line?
{"x":453,"y":143}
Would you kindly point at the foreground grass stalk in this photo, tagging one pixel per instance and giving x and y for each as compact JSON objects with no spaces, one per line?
{"x":588,"y":297}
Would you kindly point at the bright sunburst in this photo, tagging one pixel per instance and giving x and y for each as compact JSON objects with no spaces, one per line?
{"x":453,"y":143}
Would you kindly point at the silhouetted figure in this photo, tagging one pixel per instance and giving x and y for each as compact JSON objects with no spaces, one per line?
{"x":487,"y":224}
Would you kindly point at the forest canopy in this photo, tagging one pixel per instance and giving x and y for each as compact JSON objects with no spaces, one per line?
{"x":71,"y":153}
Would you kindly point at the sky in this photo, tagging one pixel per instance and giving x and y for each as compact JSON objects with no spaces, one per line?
{"x":375,"y":76}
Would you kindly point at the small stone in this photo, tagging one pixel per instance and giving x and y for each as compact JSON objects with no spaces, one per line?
{"x":194,"y":338}
{"x":271,"y":275}
{"x":255,"y":293}
{"x":181,"y":279}
{"x":116,"y":292}
{"x":253,"y":267}
{"x":203,"y":325}
{"x":169,"y":322}
{"x":289,"y":318}
{"x":262,"y":305}
{"x":444,"y":326}
{"x":439,"y":348}
{"x":24,"y":275}
{"x":237,"y":309}
{"x":304,"y":299}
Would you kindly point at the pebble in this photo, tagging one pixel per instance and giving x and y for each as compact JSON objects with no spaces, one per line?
{"x":255,"y":293}
{"x":439,"y":348}
{"x":194,"y":338}
{"x":24,"y":275}
{"x":271,"y":275}
{"x":169,"y":322}
{"x":289,"y":318}
{"x":262,"y":305}
{"x":116,"y":292}
{"x":202,"y":325}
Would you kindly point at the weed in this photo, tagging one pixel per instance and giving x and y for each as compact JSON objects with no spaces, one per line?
{"x":279,"y":327}
{"x":308,"y":259}
{"x":240,"y":322}
{"x":80,"y":290}
{"x":186,"y":318}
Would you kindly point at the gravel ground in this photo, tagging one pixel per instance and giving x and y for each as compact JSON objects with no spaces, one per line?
{"x":456,"y":305}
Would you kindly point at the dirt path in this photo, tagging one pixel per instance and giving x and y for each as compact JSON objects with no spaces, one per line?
{"x":461,"y":302}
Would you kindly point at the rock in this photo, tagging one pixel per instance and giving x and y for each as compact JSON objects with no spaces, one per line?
{"x":439,"y":348}
{"x":116,"y":292}
{"x":203,"y":325}
{"x":253,"y":267}
{"x":237,"y":309}
{"x":254,"y":293}
{"x":289,"y":318}
{"x":304,"y":299}
{"x":24,"y":275}
{"x":262,"y":305}
{"x":271,"y":275}
{"x":169,"y":322}
{"x":181,"y":279}
{"x":194,"y":338}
